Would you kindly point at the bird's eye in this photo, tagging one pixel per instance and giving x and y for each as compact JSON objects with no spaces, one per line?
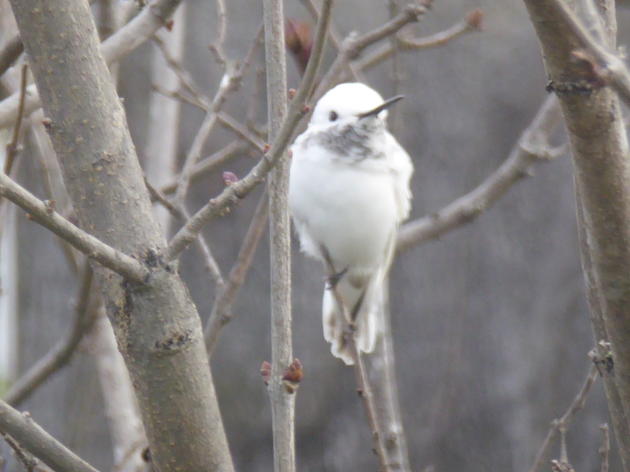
{"x":332,"y":116}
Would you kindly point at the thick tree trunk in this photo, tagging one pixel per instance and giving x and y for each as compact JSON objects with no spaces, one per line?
{"x":156,"y":324}
{"x":602,"y":172}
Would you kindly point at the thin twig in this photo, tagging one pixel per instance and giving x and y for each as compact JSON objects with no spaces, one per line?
{"x":532,"y":147}
{"x":178,"y":95}
{"x":217,"y":47}
{"x":45,"y":214}
{"x":469,"y":24}
{"x":120,"y":44}
{"x":472,"y":22}
{"x":208,"y":164}
{"x":230,"y":82}
{"x":353,"y":46}
{"x":604,"y":450}
{"x":335,"y":40}
{"x":182,"y":74}
{"x":222,"y":309}
{"x":239,"y":189}
{"x":59,"y":355}
{"x":563,"y":422}
{"x":25,"y":458}
{"x":12,"y":147}
{"x":31,"y":437}
{"x":210,"y":262}
{"x":241,"y":131}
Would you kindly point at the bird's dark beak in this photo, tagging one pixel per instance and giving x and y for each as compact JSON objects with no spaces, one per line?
{"x":386,"y":104}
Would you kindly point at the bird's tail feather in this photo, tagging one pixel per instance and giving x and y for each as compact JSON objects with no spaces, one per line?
{"x":366,"y":303}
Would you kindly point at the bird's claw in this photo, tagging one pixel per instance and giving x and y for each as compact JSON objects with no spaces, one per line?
{"x":333,"y":280}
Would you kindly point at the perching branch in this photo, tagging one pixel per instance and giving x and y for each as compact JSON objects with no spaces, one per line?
{"x":31,"y":436}
{"x":237,"y":190}
{"x":532,"y":147}
{"x":59,"y":355}
{"x":45,"y":214}
{"x":362,"y":379}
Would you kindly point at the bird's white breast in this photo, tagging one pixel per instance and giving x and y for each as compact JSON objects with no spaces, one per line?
{"x":351,"y":208}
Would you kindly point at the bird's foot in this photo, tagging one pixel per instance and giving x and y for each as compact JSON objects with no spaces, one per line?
{"x":333,"y":280}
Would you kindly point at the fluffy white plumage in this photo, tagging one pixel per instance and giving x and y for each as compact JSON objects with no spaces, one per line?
{"x":348,"y":193}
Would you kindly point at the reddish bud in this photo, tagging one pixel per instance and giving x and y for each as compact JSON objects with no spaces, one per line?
{"x":299,"y":41}
{"x":475,"y":19}
{"x":47,"y":122}
{"x":292,"y":93}
{"x":306,"y":109}
{"x":50,"y":206}
{"x":229,"y":178}
{"x":265,"y":372}
{"x":266,"y":148}
{"x":169,"y":25}
{"x":293,"y":375}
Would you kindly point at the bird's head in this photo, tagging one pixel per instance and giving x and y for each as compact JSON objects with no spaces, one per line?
{"x":349,"y":104}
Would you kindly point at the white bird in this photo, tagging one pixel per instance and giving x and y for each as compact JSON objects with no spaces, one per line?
{"x":348,"y":194}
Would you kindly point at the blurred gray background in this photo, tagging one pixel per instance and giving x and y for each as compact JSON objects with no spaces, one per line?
{"x":490,"y":323}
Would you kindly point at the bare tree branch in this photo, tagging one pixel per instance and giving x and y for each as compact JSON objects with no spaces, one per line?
{"x":25,"y":458}
{"x":128,"y":38}
{"x":45,"y":214}
{"x":237,"y":190}
{"x":604,"y":450}
{"x":599,"y":147}
{"x":12,"y":147}
{"x":59,"y":355}
{"x":532,"y":147}
{"x":241,"y":131}
{"x":126,"y":430}
{"x":334,"y":38}
{"x":210,"y":262}
{"x":605,"y":65}
{"x":208,"y":164}
{"x":231,"y":80}
{"x":222,"y":308}
{"x":362,"y":379}
{"x":156,"y":323}
{"x":353,"y":46}
{"x":31,"y":436}
{"x":562,"y":423}
{"x":282,"y":400}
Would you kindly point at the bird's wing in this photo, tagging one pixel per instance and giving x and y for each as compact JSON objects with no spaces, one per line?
{"x":401,"y":168}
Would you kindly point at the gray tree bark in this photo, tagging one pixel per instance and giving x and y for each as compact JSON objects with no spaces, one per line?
{"x":156,"y":324}
{"x":282,"y":401}
{"x":602,"y":172}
